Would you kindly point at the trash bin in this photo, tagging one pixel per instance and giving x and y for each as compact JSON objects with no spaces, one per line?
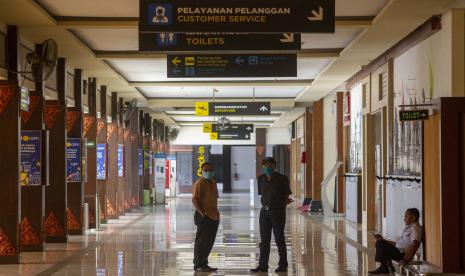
{"x":147,"y":197}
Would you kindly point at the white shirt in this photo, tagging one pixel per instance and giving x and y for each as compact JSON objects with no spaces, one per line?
{"x":412,"y":232}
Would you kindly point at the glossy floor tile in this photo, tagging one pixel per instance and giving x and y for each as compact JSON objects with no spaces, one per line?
{"x":158,"y":240}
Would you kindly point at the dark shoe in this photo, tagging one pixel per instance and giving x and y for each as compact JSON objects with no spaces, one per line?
{"x":380,"y":270}
{"x":259,"y":269}
{"x":211,"y":269}
{"x":202,"y":269}
{"x":281,"y":269}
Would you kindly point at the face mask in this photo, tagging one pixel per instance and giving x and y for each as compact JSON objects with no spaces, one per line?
{"x":268,"y":171}
{"x":207,"y":174}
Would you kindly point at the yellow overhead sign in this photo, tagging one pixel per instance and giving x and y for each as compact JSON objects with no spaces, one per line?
{"x":214,"y":136}
{"x":207,"y":128}
{"x":201,"y":108}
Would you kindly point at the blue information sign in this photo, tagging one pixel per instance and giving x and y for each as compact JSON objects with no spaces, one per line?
{"x":101,"y":161}
{"x":31,"y":157}
{"x":73,"y":160}
{"x":120,"y":160}
{"x":141,"y":162}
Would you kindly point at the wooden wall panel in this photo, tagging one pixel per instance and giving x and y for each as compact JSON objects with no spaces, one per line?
{"x":317,"y":149}
{"x":32,"y":197}
{"x":340,"y":151}
{"x":75,"y":190}
{"x":56,"y":204}
{"x":112,"y":182}
{"x":308,"y":154}
{"x":9,"y":171}
{"x":260,"y":134}
{"x":368,"y":179}
{"x":128,"y":160}
{"x":90,"y":133}
{"x":432,"y":190}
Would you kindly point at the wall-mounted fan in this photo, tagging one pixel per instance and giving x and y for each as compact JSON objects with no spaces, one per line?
{"x":43,"y":62}
{"x":173,"y":134}
{"x":129,"y":110}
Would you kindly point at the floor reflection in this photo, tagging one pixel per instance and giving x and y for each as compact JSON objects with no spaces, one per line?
{"x":158,"y":240}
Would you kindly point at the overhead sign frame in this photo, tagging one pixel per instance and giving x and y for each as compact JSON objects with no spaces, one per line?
{"x":242,"y":16}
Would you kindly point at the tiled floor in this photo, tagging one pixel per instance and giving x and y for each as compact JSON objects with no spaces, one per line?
{"x":159,"y":241}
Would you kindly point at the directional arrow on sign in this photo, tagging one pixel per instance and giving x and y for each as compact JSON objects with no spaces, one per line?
{"x":239,"y":60}
{"x":316,"y":15}
{"x":248,"y":128}
{"x":263,"y":109}
{"x":176,"y":71}
{"x":176,"y":61}
{"x":288,"y":38}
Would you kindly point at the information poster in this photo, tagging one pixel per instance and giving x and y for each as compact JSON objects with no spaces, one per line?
{"x":31,"y":156}
{"x":140,"y":162}
{"x":120,"y":160}
{"x":73,"y":160}
{"x":160,"y":178}
{"x":101,"y":161}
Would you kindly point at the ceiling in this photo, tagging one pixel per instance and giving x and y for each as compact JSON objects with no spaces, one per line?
{"x":101,"y":37}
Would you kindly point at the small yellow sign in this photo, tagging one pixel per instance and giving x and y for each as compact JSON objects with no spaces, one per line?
{"x":207,"y":128}
{"x":214,"y":136}
{"x":201,"y":108}
{"x":189,"y":61}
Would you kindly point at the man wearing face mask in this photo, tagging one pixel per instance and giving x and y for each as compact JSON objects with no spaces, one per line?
{"x":275,"y":190}
{"x":207,"y":217}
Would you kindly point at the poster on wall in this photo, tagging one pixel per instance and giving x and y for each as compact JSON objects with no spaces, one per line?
{"x":160,"y":177}
{"x":73,"y":159}
{"x":151,"y":162}
{"x":101,"y":161}
{"x":31,"y":157}
{"x":120,"y":160}
{"x":355,"y":150}
{"x":140,"y":162}
{"x":415,"y":72}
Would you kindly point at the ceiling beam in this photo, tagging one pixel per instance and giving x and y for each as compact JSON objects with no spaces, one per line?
{"x":305,"y":53}
{"x":77,"y":22}
{"x":223,"y":83}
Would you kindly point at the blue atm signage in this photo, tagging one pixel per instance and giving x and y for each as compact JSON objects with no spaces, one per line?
{"x":243,"y":16}
{"x":232,"y":65}
{"x":31,"y":157}
{"x":218,"y":41}
{"x":120,"y":160}
{"x":73,"y":160}
{"x":101,"y":161}
{"x":140,"y":162}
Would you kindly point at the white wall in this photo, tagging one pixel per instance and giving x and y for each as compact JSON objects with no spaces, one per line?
{"x":244,"y":158}
{"x":278,"y":136}
{"x":330,"y":143}
{"x":193,"y":135}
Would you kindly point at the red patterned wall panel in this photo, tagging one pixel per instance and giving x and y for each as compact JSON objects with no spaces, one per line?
{"x":6,"y":246}
{"x":52,"y":226}
{"x":33,"y":104}
{"x":88,"y":122}
{"x":28,"y":235}
{"x":50,"y":114}
{"x":72,"y":117}
{"x":73,"y":223}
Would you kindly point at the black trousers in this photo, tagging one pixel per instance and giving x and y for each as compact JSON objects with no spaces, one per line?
{"x":204,"y":238}
{"x":385,"y":252}
{"x":272,"y":220}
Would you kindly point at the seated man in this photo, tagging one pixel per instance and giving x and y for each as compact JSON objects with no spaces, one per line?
{"x":403,"y":249}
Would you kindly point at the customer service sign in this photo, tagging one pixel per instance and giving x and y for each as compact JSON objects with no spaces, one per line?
{"x":272,"y":16}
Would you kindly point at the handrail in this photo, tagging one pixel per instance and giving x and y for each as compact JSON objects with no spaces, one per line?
{"x":327,"y":210}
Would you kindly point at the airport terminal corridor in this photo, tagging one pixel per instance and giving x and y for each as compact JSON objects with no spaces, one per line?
{"x":158,"y":240}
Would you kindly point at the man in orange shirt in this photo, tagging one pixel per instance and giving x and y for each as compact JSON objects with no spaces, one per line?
{"x":207,"y":217}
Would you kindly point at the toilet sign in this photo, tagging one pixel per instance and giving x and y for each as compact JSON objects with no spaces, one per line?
{"x":229,"y":136}
{"x":230,"y":109}
{"x":246,"y":128}
{"x":241,"y":16}
{"x":169,"y":41}
{"x":413,"y":115}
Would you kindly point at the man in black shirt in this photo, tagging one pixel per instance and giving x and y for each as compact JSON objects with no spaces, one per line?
{"x":275,"y":190}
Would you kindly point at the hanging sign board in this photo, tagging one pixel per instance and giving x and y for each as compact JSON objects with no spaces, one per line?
{"x":218,"y":41}
{"x":25,"y":99}
{"x":31,"y":158}
{"x":230,"y":109}
{"x":413,"y":115}
{"x":249,"y":16}
{"x":245,"y":128}
{"x":101,"y":161}
{"x":73,"y":160}
{"x":229,"y":136}
{"x":231,"y":66}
